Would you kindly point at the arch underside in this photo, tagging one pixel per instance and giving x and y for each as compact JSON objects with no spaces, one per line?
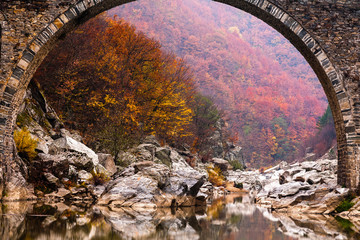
{"x":268,"y":12}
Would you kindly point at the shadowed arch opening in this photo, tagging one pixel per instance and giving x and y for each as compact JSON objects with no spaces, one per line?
{"x":264,"y":10}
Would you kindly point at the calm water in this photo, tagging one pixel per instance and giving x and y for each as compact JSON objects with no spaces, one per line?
{"x":234,"y":217}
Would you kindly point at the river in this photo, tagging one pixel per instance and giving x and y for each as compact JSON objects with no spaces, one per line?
{"x":231,"y":217}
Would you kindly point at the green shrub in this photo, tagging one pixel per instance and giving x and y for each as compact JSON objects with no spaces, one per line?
{"x":25,"y":145}
{"x":236,"y":165}
{"x":346,"y":204}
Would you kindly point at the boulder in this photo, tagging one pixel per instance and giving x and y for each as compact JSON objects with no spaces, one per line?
{"x":100,"y":169}
{"x":56,"y":164}
{"x":129,"y":190}
{"x":221,"y":163}
{"x":150,"y":185}
{"x":288,"y":189}
{"x":42,"y":146}
{"x":75,"y":135}
{"x":311,"y":177}
{"x":142,"y":154}
{"x":70,"y":144}
{"x":182,"y":172}
{"x":163,"y":154}
{"x":51,"y":179}
{"x":151,"y":140}
{"x":81,"y":161}
{"x":84,"y":176}
{"x":107,"y":161}
{"x":235,"y":154}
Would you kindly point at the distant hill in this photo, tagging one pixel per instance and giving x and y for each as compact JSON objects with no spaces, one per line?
{"x":269,"y":93}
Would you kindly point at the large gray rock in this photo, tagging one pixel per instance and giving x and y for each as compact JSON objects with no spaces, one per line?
{"x":107,"y":161}
{"x":51,"y":179}
{"x":42,"y":146}
{"x":288,"y":189}
{"x":150,"y":185}
{"x":138,"y":188}
{"x":143,"y":154}
{"x":81,"y":161}
{"x":221,"y":163}
{"x":151,"y":140}
{"x":163,"y":154}
{"x":313,"y":176}
{"x":135,"y":189}
{"x":235,"y":154}
{"x":74,"y":135}
{"x":56,"y":164}
{"x":182,"y":172}
{"x":70,"y":144}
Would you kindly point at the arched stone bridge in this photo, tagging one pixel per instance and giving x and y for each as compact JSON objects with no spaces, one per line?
{"x":326,"y":32}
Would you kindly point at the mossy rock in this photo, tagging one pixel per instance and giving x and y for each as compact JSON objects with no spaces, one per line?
{"x":346,"y":204}
{"x":163,"y":154}
{"x":23,"y":119}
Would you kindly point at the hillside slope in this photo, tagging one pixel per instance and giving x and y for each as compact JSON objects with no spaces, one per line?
{"x":269,"y":93}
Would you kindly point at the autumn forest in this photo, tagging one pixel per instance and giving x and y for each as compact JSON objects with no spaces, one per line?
{"x":174,"y":69}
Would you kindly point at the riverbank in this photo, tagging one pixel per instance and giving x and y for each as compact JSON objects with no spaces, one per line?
{"x":150,"y":177}
{"x":302,"y":191}
{"x":234,"y":216}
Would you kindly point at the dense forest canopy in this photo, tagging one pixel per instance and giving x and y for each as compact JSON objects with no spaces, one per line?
{"x":116,"y":86}
{"x":271,"y":96}
{"x":116,"y":81}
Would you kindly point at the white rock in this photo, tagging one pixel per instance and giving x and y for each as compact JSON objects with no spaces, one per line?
{"x":84,"y":176}
{"x":342,"y":190}
{"x":289,"y":189}
{"x":71,"y":144}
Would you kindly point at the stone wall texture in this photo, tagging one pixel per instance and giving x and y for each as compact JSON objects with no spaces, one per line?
{"x":326,"y":32}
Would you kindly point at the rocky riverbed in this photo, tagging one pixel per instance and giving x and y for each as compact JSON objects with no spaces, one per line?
{"x":303,"y":190}
{"x":151,"y":177}
{"x":64,"y":169}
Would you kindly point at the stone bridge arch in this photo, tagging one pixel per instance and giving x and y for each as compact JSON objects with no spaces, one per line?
{"x":325,"y":32}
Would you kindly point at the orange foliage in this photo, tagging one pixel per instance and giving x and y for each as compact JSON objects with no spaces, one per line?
{"x":249,"y":69}
{"x":215,"y":176}
{"x":106,"y":76}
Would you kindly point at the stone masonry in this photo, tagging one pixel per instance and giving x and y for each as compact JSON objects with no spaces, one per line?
{"x":326,"y":32}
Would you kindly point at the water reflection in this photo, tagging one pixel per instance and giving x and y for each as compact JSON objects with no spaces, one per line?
{"x":233,"y":217}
